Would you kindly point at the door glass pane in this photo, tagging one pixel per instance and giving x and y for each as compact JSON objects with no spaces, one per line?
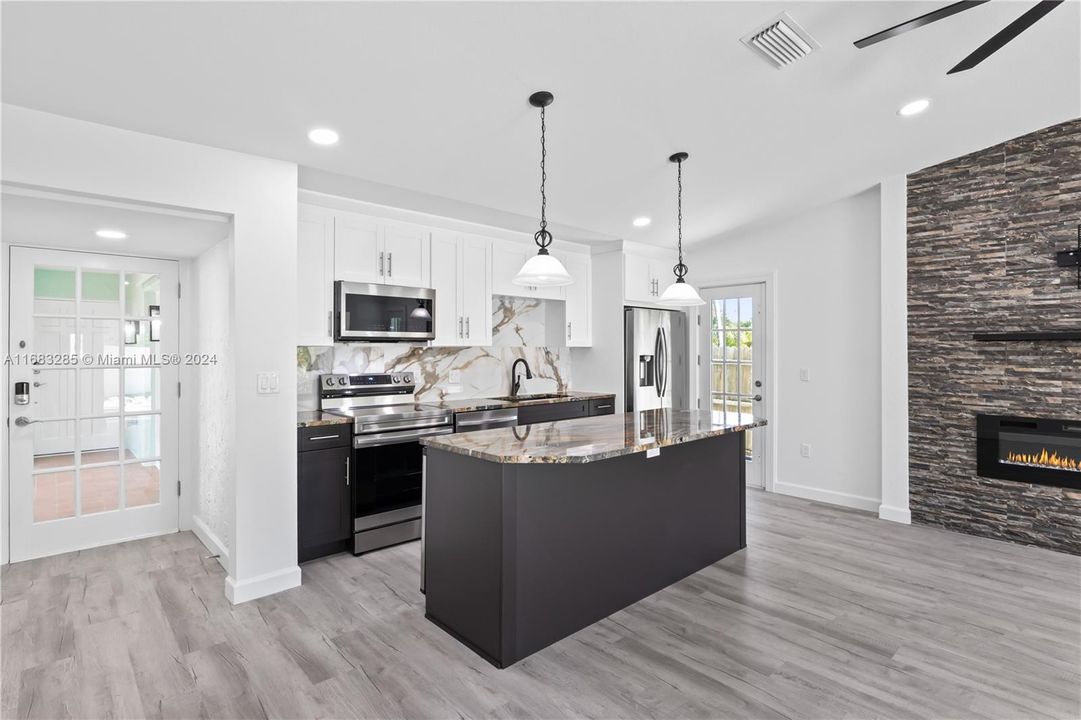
{"x":142,"y":483}
{"x":745,"y":312}
{"x":717,"y":351}
{"x":731,"y":312}
{"x":54,"y":291}
{"x":139,"y":346}
{"x":731,"y":345}
{"x":99,"y":489}
{"x":54,"y":495}
{"x":141,"y":439}
{"x":731,"y":379}
{"x":745,"y":346}
{"x":100,"y":294}
{"x":141,"y":390}
{"x":716,"y":315}
{"x":99,"y":440}
{"x":100,"y":338}
{"x":52,"y":394}
{"x":54,"y":444}
{"x":99,"y":391}
{"x":54,"y":336}
{"x":745,"y":379}
{"x":142,"y":294}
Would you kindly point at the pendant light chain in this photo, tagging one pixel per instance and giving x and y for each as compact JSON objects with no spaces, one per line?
{"x":680,"y":269}
{"x":543,"y":237}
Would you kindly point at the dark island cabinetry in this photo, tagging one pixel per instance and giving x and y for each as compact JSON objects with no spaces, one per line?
{"x":324,"y":491}
{"x":550,"y":412}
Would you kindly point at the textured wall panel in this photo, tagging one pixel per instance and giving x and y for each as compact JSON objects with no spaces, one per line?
{"x":983,"y":230}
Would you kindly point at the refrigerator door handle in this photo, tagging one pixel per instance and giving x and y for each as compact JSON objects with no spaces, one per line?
{"x":664,"y":360}
{"x":657,"y":363}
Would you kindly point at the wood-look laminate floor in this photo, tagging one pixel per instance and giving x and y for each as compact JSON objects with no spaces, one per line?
{"x":828,"y":613}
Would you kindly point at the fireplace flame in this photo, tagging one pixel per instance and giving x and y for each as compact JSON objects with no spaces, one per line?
{"x":1043,"y":458}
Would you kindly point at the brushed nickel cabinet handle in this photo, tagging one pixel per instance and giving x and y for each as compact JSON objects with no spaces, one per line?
{"x":380,"y":264}
{"x":323,"y":437}
{"x":461,"y":333}
{"x":390,"y":264}
{"x":467,"y":327}
{"x":347,"y":471}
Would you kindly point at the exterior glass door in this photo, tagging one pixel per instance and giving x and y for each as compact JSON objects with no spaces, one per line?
{"x":93,"y":451}
{"x":733,"y":362}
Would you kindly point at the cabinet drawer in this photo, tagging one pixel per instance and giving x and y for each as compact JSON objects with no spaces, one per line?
{"x":324,"y":436}
{"x":554,"y":411}
{"x":602,"y":406}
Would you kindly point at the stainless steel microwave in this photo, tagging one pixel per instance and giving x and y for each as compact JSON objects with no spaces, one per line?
{"x":370,"y":312}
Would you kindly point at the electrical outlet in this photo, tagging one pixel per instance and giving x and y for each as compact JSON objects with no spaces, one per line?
{"x":805,"y":450}
{"x":805,"y":374}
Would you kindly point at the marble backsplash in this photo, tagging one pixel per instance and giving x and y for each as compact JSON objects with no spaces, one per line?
{"x":518,"y":331}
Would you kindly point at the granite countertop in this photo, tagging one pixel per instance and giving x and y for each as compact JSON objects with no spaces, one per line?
{"x":594,"y":438}
{"x":472,"y":404}
{"x":317,"y":418}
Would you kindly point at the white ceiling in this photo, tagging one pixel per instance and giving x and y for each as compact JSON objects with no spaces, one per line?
{"x":430,"y":98}
{"x":71,"y":223}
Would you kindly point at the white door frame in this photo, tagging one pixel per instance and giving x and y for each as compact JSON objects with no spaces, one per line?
{"x":768,"y":434}
{"x":170,"y":508}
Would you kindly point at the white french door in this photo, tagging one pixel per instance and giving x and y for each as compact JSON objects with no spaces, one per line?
{"x":733,"y":374}
{"x":93,"y":453}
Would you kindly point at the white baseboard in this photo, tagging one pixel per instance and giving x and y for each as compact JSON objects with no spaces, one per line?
{"x":895,"y":514}
{"x":211,"y":540}
{"x":262,"y":585}
{"x":859,"y":502}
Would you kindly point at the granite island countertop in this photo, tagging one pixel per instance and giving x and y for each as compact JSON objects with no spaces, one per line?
{"x":589,"y":439}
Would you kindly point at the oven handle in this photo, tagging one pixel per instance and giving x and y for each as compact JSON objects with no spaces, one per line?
{"x":386,"y":426}
{"x":393,"y":438}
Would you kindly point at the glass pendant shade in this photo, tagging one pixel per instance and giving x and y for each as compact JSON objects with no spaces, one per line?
{"x":543,"y":270}
{"x":681,"y":294}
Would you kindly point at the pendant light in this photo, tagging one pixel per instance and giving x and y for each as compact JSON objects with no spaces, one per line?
{"x":542,"y":268}
{"x":680,"y":293}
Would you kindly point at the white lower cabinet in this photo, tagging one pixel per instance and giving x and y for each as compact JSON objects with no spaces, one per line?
{"x":460,"y":273}
{"x":579,"y":299}
{"x":315,"y":276}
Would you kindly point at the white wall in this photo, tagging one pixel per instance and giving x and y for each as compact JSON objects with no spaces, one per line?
{"x":826,"y":268}
{"x":215,"y":491}
{"x":50,"y":151}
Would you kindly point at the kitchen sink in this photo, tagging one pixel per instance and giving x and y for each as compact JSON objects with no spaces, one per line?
{"x":535,"y":396}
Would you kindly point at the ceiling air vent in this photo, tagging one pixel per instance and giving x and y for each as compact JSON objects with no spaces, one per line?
{"x":781,"y":41}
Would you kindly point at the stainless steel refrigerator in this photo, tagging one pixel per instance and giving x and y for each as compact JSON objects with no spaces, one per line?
{"x":656,"y":374}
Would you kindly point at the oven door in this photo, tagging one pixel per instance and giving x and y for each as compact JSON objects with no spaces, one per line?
{"x":388,"y":469}
{"x":381,"y":313}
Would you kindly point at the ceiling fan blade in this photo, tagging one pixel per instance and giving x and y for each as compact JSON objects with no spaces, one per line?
{"x":925,"y":19}
{"x":1004,"y":35}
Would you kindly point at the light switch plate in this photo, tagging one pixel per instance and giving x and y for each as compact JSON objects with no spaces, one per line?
{"x":805,"y":374}
{"x":805,"y":450}
{"x":266,"y":383}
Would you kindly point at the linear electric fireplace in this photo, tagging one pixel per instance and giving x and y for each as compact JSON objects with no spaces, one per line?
{"x":1035,"y":450}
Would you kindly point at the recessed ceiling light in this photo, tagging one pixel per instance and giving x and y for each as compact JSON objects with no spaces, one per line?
{"x":323,"y":136}
{"x":111,"y":234}
{"x":641,"y":221}
{"x":914,"y":108}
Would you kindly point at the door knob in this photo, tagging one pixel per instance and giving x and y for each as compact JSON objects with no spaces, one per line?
{"x":23,"y":421}
{"x":758,"y":398}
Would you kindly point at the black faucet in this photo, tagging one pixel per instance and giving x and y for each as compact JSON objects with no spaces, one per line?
{"x":516,"y":382}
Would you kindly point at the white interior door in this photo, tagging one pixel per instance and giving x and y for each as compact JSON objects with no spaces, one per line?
{"x":733,"y":381}
{"x":93,"y":455}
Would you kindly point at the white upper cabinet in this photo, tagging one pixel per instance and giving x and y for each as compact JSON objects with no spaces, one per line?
{"x":406,"y":259}
{"x":461,"y":277}
{"x":358,"y":242}
{"x":643,"y":278}
{"x":315,"y":276}
{"x":579,"y":299}
{"x":376,"y":251}
{"x":507,"y":260}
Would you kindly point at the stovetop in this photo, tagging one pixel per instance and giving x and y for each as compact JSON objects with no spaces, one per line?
{"x":406,"y":416}
{"x":379,"y":402}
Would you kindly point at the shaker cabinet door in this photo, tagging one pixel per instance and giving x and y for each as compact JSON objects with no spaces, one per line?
{"x":315,"y":277}
{"x":579,"y":330}
{"x":474,"y":289}
{"x":406,"y":259}
{"x":357,"y":249}
{"x":445,"y":283}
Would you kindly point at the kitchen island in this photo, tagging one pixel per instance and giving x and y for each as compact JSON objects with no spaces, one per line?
{"x":533,"y":533}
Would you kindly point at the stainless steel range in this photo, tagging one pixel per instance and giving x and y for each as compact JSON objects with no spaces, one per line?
{"x":387,"y":467}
